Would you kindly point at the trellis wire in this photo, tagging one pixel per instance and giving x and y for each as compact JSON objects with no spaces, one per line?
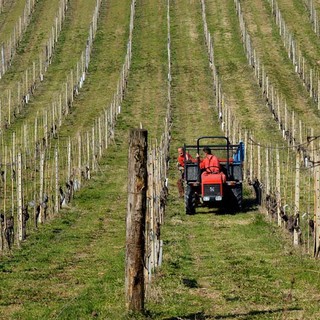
{"x":313,"y":16}
{"x":308,"y":74}
{"x":157,"y":185}
{"x":286,"y":120}
{"x":63,"y":176}
{"x":274,"y":199}
{"x":17,"y":97}
{"x":9,"y":48}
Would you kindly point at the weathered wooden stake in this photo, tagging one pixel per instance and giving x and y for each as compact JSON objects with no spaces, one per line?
{"x":296,"y":231}
{"x":21,"y":227}
{"x":317,"y":209}
{"x":136,"y":215}
{"x":57,"y":203}
{"x":278,"y":187}
{"x":41,"y":192}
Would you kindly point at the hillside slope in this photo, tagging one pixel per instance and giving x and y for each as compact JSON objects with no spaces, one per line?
{"x":215,"y":266}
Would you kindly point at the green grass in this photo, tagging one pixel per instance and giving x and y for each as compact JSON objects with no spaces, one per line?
{"x":76,"y":258}
{"x":302,"y":31}
{"x":215,"y":266}
{"x":32,"y":43}
{"x":222,"y":266}
{"x":146,"y":100}
{"x":269,"y":45}
{"x":68,"y":50}
{"x":12,"y":10}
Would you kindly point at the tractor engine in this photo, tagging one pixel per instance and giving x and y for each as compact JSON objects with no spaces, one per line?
{"x":212,"y":187}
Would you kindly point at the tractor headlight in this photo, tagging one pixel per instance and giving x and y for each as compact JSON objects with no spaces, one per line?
{"x":206,"y":198}
{"x":218,"y":198}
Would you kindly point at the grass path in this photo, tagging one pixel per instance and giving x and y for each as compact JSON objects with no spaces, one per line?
{"x":32,"y":43}
{"x":293,"y":12}
{"x":12,"y":10}
{"x":266,"y":40}
{"x":83,"y":267}
{"x":214,"y":266}
{"x":71,"y":43}
{"x":146,"y":101}
{"x":192,"y":95}
{"x":232,"y":267}
{"x":238,"y":83}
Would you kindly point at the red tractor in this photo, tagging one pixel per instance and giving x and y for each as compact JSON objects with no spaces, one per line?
{"x":218,"y":188}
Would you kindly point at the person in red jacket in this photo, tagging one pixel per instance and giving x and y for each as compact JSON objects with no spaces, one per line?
{"x":210,"y":163}
{"x":182,"y":157}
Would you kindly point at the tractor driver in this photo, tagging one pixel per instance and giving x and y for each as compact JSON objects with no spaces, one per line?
{"x":210,"y":163}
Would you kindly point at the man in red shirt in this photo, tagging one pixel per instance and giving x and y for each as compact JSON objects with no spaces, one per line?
{"x":182,"y":157}
{"x":210,"y":163}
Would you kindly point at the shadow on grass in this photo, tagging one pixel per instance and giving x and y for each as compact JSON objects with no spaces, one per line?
{"x":190,"y":283}
{"x":251,"y":314}
{"x":248,"y":205}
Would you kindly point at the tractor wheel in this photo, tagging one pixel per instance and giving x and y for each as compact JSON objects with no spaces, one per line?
{"x":190,"y":200}
{"x":237,"y":198}
{"x":232,"y":200}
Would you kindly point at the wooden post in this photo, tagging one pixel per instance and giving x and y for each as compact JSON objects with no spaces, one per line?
{"x":100,"y":137}
{"x":251,"y":161}
{"x":41,"y":192}
{"x":293,"y":130}
{"x":9,"y":108}
{"x":245,"y":164}
{"x":135,"y":222}
{"x":317,"y":209}
{"x":259,"y":164}
{"x":45,"y":128}
{"x":57,"y":202}
{"x":79,"y":157}
{"x":106,"y":128}
{"x":21,"y":226}
{"x":297,"y":198}
{"x":278,"y":187}
{"x":88,"y":149}
{"x":69,"y":160}
{"x":93,"y":150}
{"x":5,"y":179}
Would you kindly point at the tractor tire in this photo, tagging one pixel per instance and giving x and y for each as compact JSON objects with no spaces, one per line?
{"x":237,"y":198}
{"x":190,"y":200}
{"x":232,"y":202}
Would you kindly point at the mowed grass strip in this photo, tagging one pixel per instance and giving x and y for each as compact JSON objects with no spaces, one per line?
{"x":306,"y":39}
{"x":269,"y":47}
{"x":192,"y":92}
{"x":222,"y":266}
{"x":32,"y":44}
{"x":12,"y":10}
{"x":72,"y":42}
{"x":146,"y":100}
{"x":73,"y":267}
{"x":316,"y":6}
{"x":241,"y":90}
{"x":232,"y":267}
{"x":92,"y":234}
{"x":109,"y":50}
